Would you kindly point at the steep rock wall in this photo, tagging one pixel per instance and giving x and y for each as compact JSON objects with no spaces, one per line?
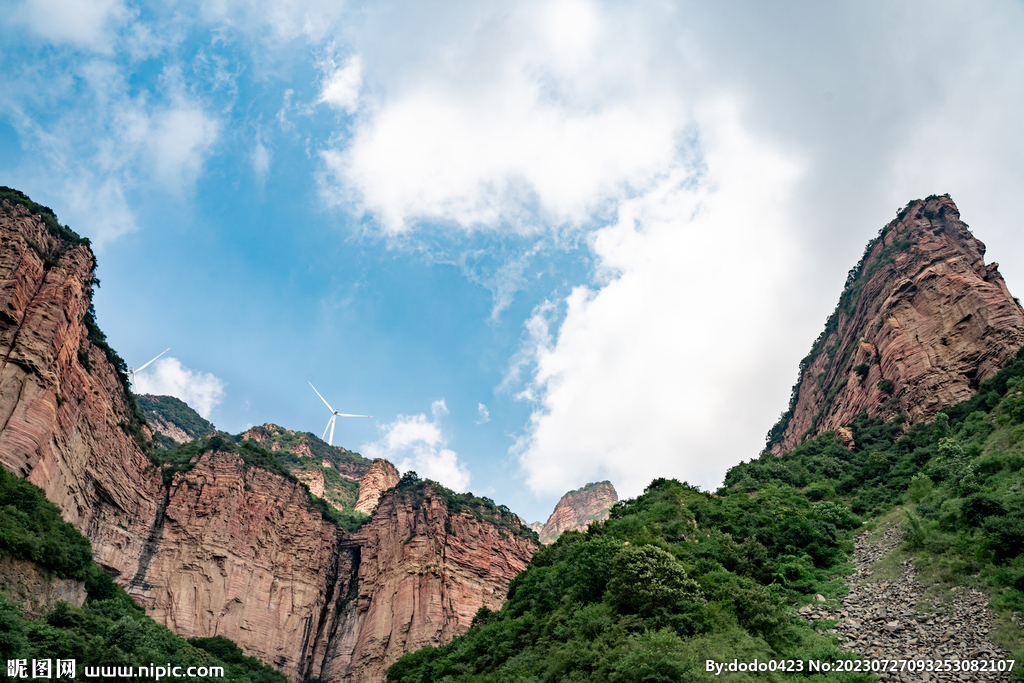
{"x":59,"y":422}
{"x":920,"y":324}
{"x":576,"y":510}
{"x":381,"y":476}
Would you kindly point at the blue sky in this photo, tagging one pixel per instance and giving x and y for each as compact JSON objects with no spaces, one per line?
{"x":542,"y":244}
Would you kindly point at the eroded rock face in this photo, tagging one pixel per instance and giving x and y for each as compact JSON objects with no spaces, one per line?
{"x":381,"y":476}
{"x":423,"y":572}
{"x":239,"y":553}
{"x":225,"y":549}
{"x":577,"y":509}
{"x":60,"y":421}
{"x":921,"y":324}
{"x":36,"y":592}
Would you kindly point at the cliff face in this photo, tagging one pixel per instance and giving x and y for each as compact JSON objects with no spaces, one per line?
{"x":423,"y":572}
{"x":921,"y":323}
{"x":577,"y":509}
{"x":226,"y":548}
{"x":174,"y":418}
{"x":237,"y":552}
{"x":331,"y":472}
{"x":37,"y":591}
{"x":381,"y":476}
{"x":61,"y":400}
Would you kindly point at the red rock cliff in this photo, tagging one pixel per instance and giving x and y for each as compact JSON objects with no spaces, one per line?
{"x":62,"y":403}
{"x":238,"y":552}
{"x":921,"y":323}
{"x":226,"y":549}
{"x":577,"y":509}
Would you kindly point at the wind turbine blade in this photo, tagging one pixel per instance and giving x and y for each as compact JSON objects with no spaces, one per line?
{"x":321,"y":398}
{"x":157,"y":356}
{"x":329,"y":423}
{"x":347,"y":415}
{"x":330,"y":441}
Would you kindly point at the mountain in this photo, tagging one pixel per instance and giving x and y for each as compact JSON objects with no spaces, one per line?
{"x":921,"y":323}
{"x":217,"y":536}
{"x":331,"y":472}
{"x":678,"y":579}
{"x":576,"y":510}
{"x":174,"y":421}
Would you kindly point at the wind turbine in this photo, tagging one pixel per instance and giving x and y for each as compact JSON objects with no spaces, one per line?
{"x":132,"y":371}
{"x":334,"y":415}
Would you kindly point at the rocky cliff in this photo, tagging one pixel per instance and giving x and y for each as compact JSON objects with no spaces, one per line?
{"x":576,"y":510}
{"x":225,"y":547}
{"x":66,"y":417}
{"x":36,"y":590}
{"x":238,"y":552}
{"x":921,"y":322}
{"x":174,"y":419}
{"x":381,"y":476}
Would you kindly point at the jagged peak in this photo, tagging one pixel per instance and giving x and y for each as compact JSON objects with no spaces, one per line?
{"x":882,"y":348}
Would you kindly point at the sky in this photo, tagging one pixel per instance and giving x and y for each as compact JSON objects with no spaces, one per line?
{"x":540,"y":243}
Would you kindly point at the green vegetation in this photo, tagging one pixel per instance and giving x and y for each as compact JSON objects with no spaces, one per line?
{"x":176,"y":412}
{"x":673,"y":578}
{"x":417,"y":490}
{"x":110,"y":629}
{"x":678,"y":576}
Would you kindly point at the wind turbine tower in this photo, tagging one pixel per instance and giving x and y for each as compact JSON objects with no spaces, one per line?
{"x":334,"y":415}
{"x":132,"y":371}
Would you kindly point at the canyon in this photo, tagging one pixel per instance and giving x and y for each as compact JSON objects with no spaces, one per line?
{"x":221,"y":545}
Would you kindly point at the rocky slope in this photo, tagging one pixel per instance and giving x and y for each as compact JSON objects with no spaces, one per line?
{"x":899,"y":618}
{"x":174,"y":418}
{"x":331,"y":472}
{"x":921,"y":322}
{"x":226,"y":547}
{"x":577,"y":509}
{"x":36,"y":590}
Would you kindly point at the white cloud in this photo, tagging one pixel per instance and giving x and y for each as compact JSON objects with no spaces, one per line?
{"x":260,"y":159}
{"x":84,"y":23}
{"x":507,"y":126}
{"x":646,"y":371}
{"x":340,"y":86}
{"x":412,"y":442}
{"x":485,"y":415}
{"x":201,"y":390}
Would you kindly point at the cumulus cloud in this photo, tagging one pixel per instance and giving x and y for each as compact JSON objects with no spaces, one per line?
{"x":340,"y":86}
{"x":414,"y":442}
{"x":504,"y":127}
{"x":203,"y":391}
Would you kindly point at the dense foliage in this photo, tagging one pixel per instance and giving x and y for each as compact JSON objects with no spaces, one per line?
{"x":673,"y":578}
{"x":110,"y":629}
{"x":957,"y":479}
{"x":678,"y":576}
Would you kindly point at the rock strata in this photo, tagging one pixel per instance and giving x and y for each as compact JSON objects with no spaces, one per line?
{"x":578,"y":509}
{"x":883,"y":619}
{"x":381,"y":476}
{"x":922,"y":321}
